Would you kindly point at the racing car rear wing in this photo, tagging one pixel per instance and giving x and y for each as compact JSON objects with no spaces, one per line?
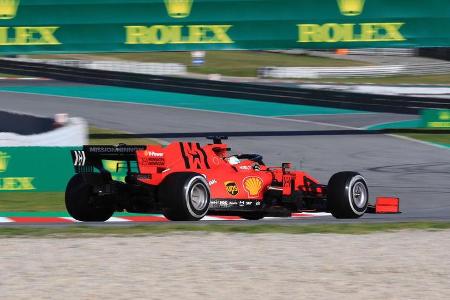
{"x":91,"y":156}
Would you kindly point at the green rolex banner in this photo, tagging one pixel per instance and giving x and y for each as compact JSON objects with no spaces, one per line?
{"x":41,"y":26}
{"x":44,"y":169}
{"x":38,"y":169}
{"x":436,"y":118}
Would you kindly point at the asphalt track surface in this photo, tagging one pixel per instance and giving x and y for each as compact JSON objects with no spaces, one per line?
{"x":416,"y":172}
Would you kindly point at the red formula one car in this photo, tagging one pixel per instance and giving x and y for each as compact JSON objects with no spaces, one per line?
{"x":186,"y":181}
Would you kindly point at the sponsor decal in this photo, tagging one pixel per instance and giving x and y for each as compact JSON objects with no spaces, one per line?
{"x":231,"y":188}
{"x":152,"y":158}
{"x":247,"y":168}
{"x":113,"y":149}
{"x":153,"y":161}
{"x":155,"y":154}
{"x":212,"y":182}
{"x":13,"y":183}
{"x":350,"y":32}
{"x":79,"y":158}
{"x":223,"y":203}
{"x":252,"y":186}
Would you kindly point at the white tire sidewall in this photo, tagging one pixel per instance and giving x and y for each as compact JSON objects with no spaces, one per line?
{"x":187,"y":199}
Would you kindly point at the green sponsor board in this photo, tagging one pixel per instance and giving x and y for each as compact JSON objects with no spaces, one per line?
{"x":41,"y":169}
{"x":436,"y":118}
{"x":28,"y":26}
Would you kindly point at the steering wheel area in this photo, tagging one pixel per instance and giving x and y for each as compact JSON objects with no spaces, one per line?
{"x":252,"y":157}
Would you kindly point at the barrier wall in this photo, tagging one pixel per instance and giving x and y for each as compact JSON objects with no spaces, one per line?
{"x":73,"y":133}
{"x":28,"y":26}
{"x":24,"y":124}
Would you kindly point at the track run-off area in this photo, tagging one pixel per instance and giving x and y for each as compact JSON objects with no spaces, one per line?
{"x":320,"y":140}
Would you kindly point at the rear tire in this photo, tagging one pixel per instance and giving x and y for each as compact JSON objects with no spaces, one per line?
{"x":348,"y":195}
{"x":79,"y":203}
{"x":184,"y":196}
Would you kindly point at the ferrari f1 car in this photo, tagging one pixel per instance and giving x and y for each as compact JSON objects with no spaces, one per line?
{"x":185,"y":181}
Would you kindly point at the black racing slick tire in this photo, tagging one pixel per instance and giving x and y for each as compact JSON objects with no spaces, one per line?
{"x":79,"y":202}
{"x":348,"y":195}
{"x":184,"y":196}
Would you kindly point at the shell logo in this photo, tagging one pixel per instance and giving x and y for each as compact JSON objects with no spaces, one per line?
{"x":253,"y":186}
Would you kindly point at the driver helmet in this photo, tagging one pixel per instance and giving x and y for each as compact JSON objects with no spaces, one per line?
{"x":233,"y":160}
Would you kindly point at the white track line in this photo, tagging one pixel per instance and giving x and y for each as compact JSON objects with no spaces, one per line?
{"x":6,"y":220}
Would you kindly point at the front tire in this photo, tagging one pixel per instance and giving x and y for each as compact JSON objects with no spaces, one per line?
{"x":184,"y":196}
{"x":348,"y":195}
{"x":79,"y":202}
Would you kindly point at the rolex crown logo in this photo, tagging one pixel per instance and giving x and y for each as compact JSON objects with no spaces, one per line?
{"x":178,"y":8}
{"x":8,"y":8}
{"x":351,"y":7}
{"x":4,"y":159}
{"x":444,"y":115}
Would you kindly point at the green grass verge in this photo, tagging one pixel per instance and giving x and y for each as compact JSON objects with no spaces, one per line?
{"x":231,"y":63}
{"x":92,"y":231}
{"x":437,"y":138}
{"x":425,"y":79}
{"x":43,"y":201}
{"x":10,"y":75}
{"x":31,"y":201}
{"x":432,"y":138}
